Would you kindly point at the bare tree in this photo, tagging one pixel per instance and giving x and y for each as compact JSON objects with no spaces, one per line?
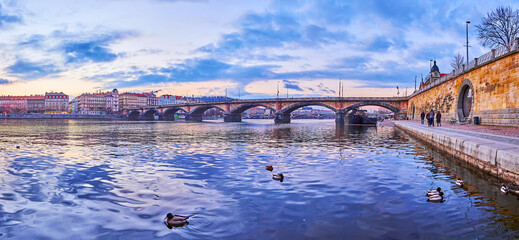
{"x":499,"y":28}
{"x":457,"y":61}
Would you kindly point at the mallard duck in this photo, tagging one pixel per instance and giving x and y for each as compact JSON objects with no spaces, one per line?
{"x":269,"y":168}
{"x":278,"y":176}
{"x":435,"y":198}
{"x":459,"y":182}
{"x":175,"y":220}
{"x":433,"y":191}
{"x":504,"y":188}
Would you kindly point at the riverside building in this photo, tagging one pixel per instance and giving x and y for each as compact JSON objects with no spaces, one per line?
{"x":96,"y":103}
{"x":56,"y":102}
{"x":48,"y":103}
{"x":137,"y":100}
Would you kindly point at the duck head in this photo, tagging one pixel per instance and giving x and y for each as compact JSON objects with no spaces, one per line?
{"x":439,"y":189}
{"x":169,"y":216}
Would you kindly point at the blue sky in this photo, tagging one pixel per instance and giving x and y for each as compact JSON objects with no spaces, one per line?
{"x":209,"y":47}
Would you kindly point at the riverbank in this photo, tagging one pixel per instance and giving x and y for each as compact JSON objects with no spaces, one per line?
{"x":57,"y":116}
{"x":495,"y":154}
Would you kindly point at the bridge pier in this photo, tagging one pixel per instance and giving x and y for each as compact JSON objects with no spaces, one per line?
{"x":194,"y":117}
{"x":282,"y":118}
{"x":232,"y":117}
{"x":340,"y":118}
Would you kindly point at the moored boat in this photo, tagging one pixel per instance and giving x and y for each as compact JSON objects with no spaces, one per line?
{"x":360,"y":116}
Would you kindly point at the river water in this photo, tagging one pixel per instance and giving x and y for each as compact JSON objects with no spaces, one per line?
{"x":74,"y":179}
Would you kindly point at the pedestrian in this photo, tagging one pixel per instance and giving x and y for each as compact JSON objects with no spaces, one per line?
{"x":438,"y":119}
{"x":422,"y":116}
{"x":431,"y":117}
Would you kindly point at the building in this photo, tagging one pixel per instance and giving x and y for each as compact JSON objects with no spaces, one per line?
{"x":56,"y":102}
{"x":434,"y":75}
{"x":96,"y":103}
{"x":48,"y":103}
{"x":112,"y":101}
{"x":73,"y":106}
{"x":137,"y":100}
{"x":36,"y":104}
{"x":13,"y":104}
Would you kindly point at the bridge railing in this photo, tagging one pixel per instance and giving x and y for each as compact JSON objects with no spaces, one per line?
{"x":274,"y":100}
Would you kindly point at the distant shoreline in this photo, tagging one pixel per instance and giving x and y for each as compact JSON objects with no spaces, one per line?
{"x":57,"y":116}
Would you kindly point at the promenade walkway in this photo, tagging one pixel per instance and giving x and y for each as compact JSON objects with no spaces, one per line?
{"x":492,"y":149}
{"x":495,"y":133}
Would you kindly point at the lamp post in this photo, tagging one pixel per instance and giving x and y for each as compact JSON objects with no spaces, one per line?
{"x":278,"y":91}
{"x":467,"y":42}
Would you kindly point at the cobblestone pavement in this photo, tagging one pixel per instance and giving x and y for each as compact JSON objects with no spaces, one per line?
{"x":496,"y":133}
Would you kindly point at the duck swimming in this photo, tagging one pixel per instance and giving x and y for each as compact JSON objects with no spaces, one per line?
{"x":269,"y":168}
{"x":433,"y":191}
{"x":278,"y":177}
{"x":175,"y":220}
{"x":459,"y":182}
{"x":504,"y":188}
{"x":435,"y":198}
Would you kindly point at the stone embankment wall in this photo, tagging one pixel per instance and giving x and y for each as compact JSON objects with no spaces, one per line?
{"x":495,"y":90}
{"x":494,"y":157}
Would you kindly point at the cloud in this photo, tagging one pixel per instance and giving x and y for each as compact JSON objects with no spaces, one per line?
{"x":4,"y":81}
{"x":34,"y":41}
{"x":380,"y":43}
{"x":32,"y":70}
{"x":188,"y":1}
{"x":272,"y":30}
{"x":92,"y":50}
{"x":291,"y":85}
{"x":196,"y":70}
{"x":5,"y":18}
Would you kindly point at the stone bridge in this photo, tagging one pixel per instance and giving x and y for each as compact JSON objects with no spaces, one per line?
{"x":282,"y":107}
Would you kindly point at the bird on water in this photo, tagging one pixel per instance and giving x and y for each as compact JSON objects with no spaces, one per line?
{"x":175,"y":220}
{"x":459,"y":182}
{"x":278,"y":177}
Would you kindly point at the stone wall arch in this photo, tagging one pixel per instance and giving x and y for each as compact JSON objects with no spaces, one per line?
{"x":465,"y":101}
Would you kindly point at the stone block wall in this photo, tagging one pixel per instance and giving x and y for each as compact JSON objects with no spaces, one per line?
{"x":495,"y":88}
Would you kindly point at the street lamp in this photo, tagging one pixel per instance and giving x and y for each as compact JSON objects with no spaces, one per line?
{"x":467,"y":42}
{"x":278,"y":90}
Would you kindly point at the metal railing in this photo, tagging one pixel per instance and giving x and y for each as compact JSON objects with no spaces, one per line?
{"x":484,"y":59}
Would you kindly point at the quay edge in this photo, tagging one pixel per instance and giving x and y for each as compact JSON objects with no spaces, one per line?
{"x":496,"y":158}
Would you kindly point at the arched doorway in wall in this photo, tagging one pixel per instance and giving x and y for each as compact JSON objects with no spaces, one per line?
{"x":412,"y":116}
{"x":465,"y":100}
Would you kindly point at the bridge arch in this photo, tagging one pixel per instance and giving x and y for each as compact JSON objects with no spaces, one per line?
{"x":150,"y":114}
{"x":296,"y":106}
{"x":201,"y":109}
{"x":134,"y":115}
{"x":380,"y":104}
{"x":169,"y":114}
{"x":196,"y":114}
{"x":244,"y":107}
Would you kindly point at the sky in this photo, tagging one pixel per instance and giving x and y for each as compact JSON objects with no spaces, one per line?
{"x":246,"y":49}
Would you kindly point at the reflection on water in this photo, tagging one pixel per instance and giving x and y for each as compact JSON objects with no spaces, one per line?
{"x":109,"y":180}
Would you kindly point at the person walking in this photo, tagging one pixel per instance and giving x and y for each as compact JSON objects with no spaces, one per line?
{"x":438,"y":119}
{"x":422,"y":116}
{"x":431,"y":117}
